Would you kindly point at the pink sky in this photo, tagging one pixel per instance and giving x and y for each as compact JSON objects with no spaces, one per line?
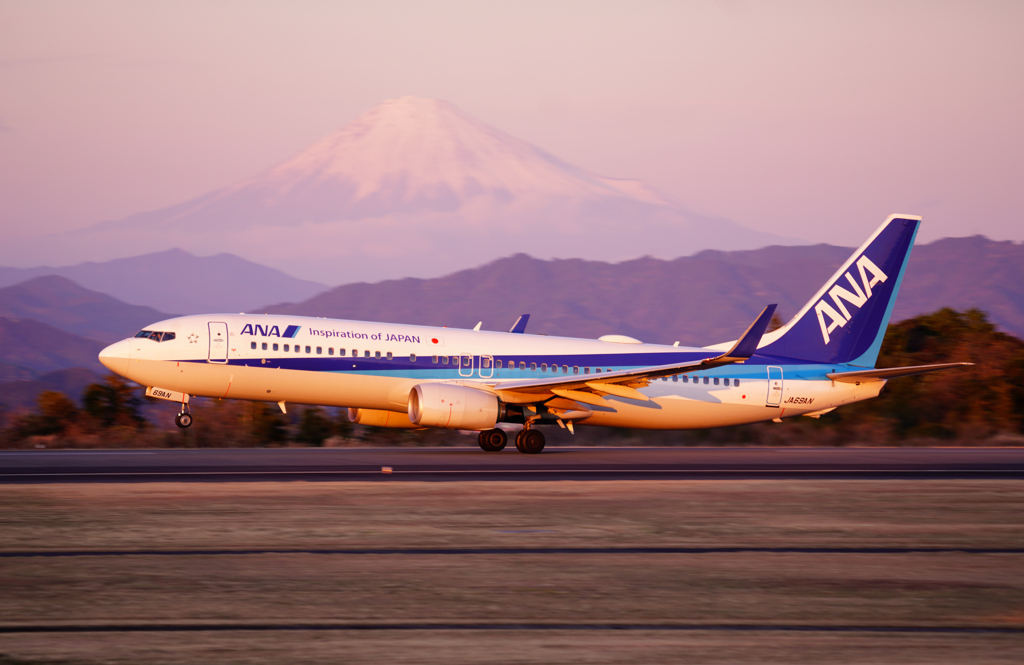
{"x":810,"y":120}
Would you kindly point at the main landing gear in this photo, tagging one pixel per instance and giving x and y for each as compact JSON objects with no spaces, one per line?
{"x":529,"y":441}
{"x":183,"y":419}
{"x":492,"y":440}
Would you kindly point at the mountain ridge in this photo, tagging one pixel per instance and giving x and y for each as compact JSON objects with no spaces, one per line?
{"x":698,"y":300}
{"x":175,"y":280}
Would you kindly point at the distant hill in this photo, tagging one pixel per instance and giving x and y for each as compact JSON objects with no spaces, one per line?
{"x":61,"y":303}
{"x":176,"y":281}
{"x":36,"y":348}
{"x":963,"y":273}
{"x":700,"y":300}
{"x":23,"y":394}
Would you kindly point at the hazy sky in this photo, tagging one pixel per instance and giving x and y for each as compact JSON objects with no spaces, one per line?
{"x":812,"y":120}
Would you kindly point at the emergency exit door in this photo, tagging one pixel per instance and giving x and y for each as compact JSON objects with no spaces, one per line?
{"x":774,"y":386}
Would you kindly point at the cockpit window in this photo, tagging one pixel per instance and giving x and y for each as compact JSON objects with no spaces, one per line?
{"x":155,"y":335}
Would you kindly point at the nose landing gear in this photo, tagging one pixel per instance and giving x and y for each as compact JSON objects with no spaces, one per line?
{"x":183,"y":419}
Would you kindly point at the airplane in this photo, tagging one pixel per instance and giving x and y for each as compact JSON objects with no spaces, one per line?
{"x":406,"y":376}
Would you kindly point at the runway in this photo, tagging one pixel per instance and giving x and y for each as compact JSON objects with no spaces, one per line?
{"x":464,"y":463}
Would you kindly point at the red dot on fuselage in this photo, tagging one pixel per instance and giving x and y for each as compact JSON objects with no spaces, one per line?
{"x":434,"y":340}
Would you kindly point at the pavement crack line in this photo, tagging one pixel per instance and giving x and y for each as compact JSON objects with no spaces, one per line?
{"x":510,"y":626}
{"x":470,"y":551}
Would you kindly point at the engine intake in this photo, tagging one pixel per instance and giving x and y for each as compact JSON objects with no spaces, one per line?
{"x":454,"y":407}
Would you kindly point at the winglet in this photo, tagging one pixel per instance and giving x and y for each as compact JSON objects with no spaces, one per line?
{"x":520,"y":325}
{"x":746,"y":345}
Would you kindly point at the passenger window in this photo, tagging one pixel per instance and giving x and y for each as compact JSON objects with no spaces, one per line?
{"x":586,"y":370}
{"x":319,"y":350}
{"x":307,"y":349}
{"x":252,"y":345}
{"x":286,"y":348}
{"x":499,"y":364}
{"x":366,"y":354}
{"x":543,"y":367}
{"x":598,"y":370}
{"x":675,"y":377}
{"x":412,"y":357}
{"x":522,"y":365}
{"x":736,"y":383}
{"x":467,"y":361}
{"x":716,"y":380}
{"x":390,"y":357}
{"x":275,"y":347}
{"x":434,"y":359}
{"x":706,"y":379}
{"x":444,"y":360}
{"x":330,"y":350}
{"x":565,"y":369}
{"x":533,"y":367}
{"x":686,"y":379}
{"x":264,"y":346}
{"x":485,"y":363}
{"x":664,"y":378}
{"x":575,"y":370}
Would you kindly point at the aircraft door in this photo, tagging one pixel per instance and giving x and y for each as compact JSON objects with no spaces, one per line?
{"x":486,"y":367}
{"x":465,"y":365}
{"x":218,"y":342}
{"x":774,"y":386}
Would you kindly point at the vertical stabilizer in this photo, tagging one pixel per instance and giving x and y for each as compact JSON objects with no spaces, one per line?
{"x":846,"y":319}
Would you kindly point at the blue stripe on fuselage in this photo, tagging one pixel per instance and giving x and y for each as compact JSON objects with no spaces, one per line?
{"x":424,"y":368}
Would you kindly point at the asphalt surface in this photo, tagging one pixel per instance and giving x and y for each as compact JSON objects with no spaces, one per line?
{"x":461,"y":464}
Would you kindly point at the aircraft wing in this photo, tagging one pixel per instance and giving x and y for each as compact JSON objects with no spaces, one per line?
{"x":587,"y":388}
{"x":890,"y":372}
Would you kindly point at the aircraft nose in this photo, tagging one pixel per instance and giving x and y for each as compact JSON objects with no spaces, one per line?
{"x":115,"y":357}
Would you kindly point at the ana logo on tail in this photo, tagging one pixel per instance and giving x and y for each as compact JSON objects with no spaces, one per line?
{"x":857,"y":298}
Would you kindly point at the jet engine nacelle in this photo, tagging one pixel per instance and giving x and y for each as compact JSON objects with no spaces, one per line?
{"x":380,"y":418}
{"x":454,"y":407}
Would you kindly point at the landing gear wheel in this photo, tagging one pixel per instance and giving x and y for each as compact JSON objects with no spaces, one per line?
{"x":492,"y":440}
{"x":519,"y":440}
{"x":530,"y":441}
{"x":183,"y":420}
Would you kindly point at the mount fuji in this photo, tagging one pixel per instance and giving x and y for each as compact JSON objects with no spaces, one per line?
{"x":416,"y":187}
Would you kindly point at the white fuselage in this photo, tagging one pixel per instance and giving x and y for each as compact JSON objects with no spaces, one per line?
{"x":375,"y":366}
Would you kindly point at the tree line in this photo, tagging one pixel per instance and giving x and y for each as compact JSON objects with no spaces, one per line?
{"x":979,"y":404}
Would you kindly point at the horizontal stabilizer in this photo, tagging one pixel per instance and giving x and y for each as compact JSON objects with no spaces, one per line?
{"x":890,"y":372}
